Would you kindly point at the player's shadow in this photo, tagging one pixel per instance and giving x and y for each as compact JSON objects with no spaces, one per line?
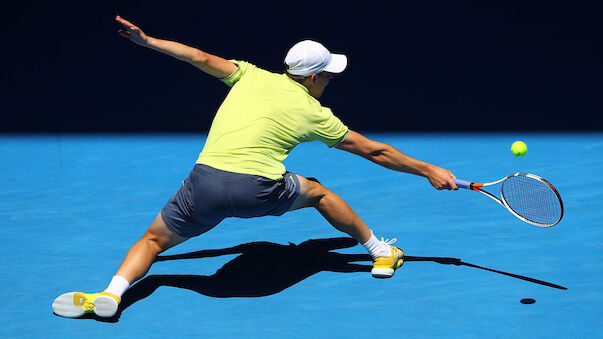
{"x":265,"y":268}
{"x":262,"y":269}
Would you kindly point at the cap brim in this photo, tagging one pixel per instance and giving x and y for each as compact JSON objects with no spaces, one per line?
{"x":338,"y":63}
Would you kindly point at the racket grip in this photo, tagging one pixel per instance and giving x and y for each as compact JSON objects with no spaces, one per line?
{"x":462,"y":183}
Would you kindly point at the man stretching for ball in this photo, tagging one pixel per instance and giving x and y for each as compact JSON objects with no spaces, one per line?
{"x":239,"y":172}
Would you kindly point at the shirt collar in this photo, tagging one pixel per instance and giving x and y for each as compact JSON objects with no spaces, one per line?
{"x":296,"y":83}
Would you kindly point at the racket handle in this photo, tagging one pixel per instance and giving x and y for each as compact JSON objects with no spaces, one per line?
{"x":462,"y":183}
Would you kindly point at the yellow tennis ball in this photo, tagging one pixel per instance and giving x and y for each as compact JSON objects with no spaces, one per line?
{"x":519,"y":148}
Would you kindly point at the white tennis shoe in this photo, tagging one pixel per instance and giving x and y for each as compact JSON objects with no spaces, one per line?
{"x":76,"y":304}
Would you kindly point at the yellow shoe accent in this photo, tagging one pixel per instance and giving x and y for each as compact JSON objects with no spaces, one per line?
{"x":384,"y":267}
{"x":76,"y":304}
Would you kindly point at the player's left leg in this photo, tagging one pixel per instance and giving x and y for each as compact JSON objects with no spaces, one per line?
{"x":141,"y":255}
{"x":136,"y":264}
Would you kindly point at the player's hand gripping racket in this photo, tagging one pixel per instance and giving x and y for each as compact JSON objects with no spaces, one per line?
{"x":528,"y":196}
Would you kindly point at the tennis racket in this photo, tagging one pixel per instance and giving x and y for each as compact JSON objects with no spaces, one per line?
{"x":527,"y":196}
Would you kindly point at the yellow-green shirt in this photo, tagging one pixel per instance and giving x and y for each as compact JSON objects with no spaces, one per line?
{"x":264,"y":116}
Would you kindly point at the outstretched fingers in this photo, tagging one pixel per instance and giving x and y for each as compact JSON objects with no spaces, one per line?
{"x":130,"y":28}
{"x":124,"y":22}
{"x":131,"y":31}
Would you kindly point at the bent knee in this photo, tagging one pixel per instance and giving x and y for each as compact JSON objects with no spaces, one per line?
{"x":311,"y":192}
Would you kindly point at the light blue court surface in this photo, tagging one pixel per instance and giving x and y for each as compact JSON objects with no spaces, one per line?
{"x":71,"y":206}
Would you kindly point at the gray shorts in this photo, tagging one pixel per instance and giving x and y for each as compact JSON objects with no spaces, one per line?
{"x":209,"y":195}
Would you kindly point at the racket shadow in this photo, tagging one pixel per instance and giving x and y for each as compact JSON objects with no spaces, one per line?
{"x":459,"y":262}
{"x":265,"y":268}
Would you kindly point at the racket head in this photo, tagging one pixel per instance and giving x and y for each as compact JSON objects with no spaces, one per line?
{"x":532,"y":199}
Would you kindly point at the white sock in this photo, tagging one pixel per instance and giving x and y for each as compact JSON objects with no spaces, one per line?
{"x":118,"y":286}
{"x":376,"y":247}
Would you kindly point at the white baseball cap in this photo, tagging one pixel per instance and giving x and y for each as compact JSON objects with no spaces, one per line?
{"x":308,"y":57}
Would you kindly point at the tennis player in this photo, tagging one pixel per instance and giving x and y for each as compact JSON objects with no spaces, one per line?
{"x":239,"y":172}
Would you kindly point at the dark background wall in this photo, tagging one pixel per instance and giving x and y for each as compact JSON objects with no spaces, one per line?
{"x":413,"y":65}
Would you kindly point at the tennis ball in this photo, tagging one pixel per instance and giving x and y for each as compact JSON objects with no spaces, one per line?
{"x":519,"y":148}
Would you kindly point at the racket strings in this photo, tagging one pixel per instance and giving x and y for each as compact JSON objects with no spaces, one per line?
{"x":532,"y":199}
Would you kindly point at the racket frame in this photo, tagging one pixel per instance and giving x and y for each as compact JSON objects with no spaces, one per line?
{"x":478,"y":188}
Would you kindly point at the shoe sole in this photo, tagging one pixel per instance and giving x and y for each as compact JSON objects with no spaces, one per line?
{"x":64,"y":306}
{"x":384,"y":273}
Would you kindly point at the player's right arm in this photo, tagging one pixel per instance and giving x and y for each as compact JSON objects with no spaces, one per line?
{"x":208,"y":63}
{"x":391,"y":158}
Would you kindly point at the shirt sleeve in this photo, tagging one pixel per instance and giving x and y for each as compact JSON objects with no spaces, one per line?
{"x":330,"y":130}
{"x":242,"y":68}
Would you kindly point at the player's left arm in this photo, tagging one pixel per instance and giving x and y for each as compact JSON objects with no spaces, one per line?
{"x":391,"y":158}
{"x":208,"y":63}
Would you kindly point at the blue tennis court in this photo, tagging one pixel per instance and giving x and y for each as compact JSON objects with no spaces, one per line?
{"x":72,"y":204}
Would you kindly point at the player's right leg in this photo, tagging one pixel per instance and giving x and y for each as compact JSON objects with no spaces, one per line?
{"x":136,"y":264}
{"x":386,"y":258}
